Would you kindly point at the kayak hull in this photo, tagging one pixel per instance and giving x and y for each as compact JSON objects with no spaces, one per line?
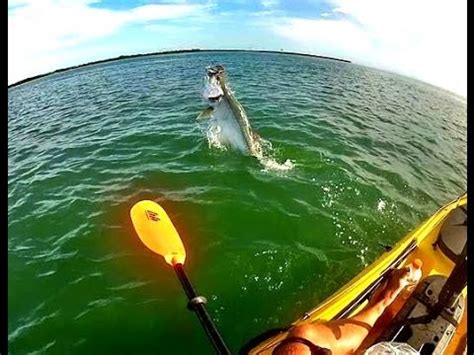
{"x":419,"y":243}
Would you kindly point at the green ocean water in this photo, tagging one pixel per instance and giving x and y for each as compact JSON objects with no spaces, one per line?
{"x":373,"y":154}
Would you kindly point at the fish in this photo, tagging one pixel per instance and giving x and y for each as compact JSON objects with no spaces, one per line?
{"x":230,"y":120}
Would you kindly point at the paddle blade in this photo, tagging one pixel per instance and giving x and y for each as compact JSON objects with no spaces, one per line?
{"x":157,"y":232}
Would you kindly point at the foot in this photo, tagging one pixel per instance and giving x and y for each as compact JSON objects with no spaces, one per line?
{"x":414,"y":274}
{"x":410,"y":275}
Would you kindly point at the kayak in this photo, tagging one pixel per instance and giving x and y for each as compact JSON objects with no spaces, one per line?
{"x":432,"y":318}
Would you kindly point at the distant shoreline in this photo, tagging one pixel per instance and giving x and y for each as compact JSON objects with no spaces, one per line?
{"x":170,"y":52}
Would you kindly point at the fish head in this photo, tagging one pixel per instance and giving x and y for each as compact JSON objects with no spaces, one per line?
{"x":216,"y":71}
{"x":213,"y":91}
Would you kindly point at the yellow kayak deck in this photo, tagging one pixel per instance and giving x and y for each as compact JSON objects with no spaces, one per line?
{"x":419,"y":243}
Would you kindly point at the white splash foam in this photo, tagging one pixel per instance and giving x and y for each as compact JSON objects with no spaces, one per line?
{"x":381,"y":205}
{"x":271,"y":164}
{"x":213,"y":138}
{"x":222,"y":131}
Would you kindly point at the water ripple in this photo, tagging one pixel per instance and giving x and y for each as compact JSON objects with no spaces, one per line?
{"x":373,"y":153}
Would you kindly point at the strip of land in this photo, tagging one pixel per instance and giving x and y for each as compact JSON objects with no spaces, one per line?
{"x":170,"y":52}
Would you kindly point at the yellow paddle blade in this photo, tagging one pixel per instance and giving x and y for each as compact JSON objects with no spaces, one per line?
{"x":157,"y":232}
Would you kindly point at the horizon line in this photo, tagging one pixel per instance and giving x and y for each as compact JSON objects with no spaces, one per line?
{"x":174,"y":51}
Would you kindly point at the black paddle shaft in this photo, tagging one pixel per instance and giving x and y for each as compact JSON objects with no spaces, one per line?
{"x":196,"y":303}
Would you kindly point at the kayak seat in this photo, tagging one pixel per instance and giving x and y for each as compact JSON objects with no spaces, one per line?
{"x":453,"y":234}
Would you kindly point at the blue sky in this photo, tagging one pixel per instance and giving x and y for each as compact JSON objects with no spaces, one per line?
{"x":425,"y":39}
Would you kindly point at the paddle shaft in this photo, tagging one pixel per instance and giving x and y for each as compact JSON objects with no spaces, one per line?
{"x":201,"y":312}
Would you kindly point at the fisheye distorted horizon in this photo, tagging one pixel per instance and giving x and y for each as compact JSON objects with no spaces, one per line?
{"x":422,"y":39}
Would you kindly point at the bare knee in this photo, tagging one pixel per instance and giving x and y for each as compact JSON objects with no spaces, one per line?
{"x":319,"y":333}
{"x":306,"y":332}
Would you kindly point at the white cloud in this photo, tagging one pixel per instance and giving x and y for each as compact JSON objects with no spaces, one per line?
{"x":40,"y":31}
{"x":269,"y":3}
{"x":326,"y":37}
{"x":424,"y":39}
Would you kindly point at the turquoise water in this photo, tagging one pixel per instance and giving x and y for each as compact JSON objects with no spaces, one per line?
{"x":372,"y":155}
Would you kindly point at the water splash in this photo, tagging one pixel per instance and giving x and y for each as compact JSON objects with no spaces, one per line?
{"x":222,"y":131}
{"x":268,"y":160}
{"x":225,"y":129}
{"x":271,"y":164}
{"x":381,"y":205}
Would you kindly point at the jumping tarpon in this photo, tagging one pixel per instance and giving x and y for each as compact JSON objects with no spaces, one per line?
{"x":231,"y":121}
